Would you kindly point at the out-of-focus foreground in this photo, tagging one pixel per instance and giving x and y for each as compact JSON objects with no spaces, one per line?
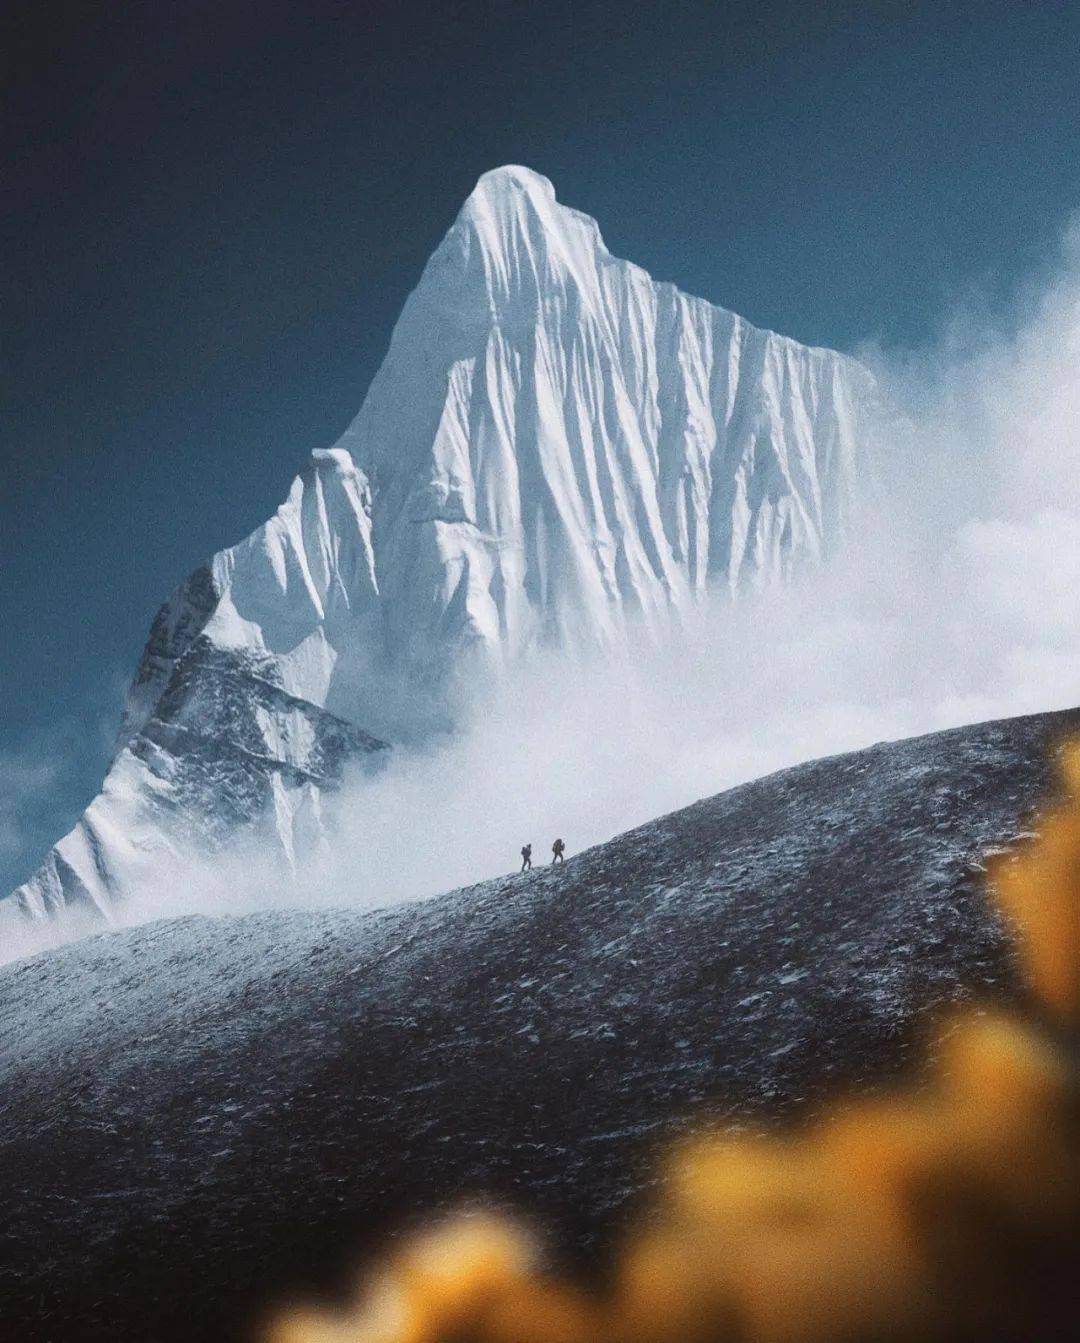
{"x":233,"y":1111}
{"x":950,"y":1210}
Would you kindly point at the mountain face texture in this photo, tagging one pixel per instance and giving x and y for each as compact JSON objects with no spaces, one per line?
{"x":212,"y":1111}
{"x":557,"y":451}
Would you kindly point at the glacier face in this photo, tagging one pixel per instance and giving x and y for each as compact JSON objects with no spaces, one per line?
{"x":557,"y":451}
{"x":556,"y":442}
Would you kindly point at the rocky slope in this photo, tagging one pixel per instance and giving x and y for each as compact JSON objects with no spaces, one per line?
{"x":208,"y":1111}
{"x":557,"y":451}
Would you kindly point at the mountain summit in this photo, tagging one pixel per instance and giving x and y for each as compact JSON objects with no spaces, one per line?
{"x":557,"y":451}
{"x":566,"y":443}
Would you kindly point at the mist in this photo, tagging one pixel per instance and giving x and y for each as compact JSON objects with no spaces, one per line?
{"x":954,"y":601}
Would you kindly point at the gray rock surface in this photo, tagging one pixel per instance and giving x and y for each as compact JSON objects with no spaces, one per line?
{"x":196,"y":1114}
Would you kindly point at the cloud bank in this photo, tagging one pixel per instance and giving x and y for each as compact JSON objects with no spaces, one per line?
{"x":955,"y":601}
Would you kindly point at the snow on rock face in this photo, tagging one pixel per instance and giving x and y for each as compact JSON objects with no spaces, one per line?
{"x":557,"y":450}
{"x":226,"y":734}
{"x":558,"y":442}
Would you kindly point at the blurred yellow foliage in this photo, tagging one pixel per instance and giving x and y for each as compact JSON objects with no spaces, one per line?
{"x":949,"y":1212}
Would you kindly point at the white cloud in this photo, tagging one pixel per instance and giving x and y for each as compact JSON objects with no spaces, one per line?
{"x":1021,"y":577}
{"x":959,"y":601}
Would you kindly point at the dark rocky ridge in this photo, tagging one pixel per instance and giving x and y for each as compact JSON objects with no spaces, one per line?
{"x":197,"y":1113}
{"x":205,"y":744}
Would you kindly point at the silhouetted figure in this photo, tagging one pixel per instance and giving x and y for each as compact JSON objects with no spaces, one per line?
{"x":558,"y":852}
{"x":526,"y":858}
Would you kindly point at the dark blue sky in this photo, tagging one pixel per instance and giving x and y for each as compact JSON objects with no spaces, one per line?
{"x":218,"y":209}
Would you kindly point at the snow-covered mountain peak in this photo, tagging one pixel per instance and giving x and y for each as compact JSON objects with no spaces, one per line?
{"x":511,"y":204}
{"x":499,"y":185}
{"x":513,"y":249}
{"x":557,"y":452}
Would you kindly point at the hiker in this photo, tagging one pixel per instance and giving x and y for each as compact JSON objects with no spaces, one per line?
{"x":526,"y":858}
{"x":558,"y":852}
